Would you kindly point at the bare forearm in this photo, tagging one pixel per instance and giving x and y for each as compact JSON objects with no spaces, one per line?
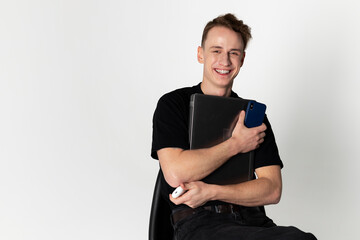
{"x":180,"y":166}
{"x":253,"y":193}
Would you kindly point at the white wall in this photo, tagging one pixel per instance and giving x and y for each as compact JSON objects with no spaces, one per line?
{"x":79,"y":81}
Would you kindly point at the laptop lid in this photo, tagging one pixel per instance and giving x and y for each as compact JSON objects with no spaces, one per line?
{"x":212,"y":120}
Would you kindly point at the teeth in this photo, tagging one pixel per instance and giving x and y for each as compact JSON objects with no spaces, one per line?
{"x":222,"y":71}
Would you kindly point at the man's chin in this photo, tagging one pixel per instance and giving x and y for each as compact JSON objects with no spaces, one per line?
{"x":224,"y":83}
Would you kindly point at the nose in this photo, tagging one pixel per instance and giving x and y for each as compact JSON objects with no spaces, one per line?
{"x":225,"y":59}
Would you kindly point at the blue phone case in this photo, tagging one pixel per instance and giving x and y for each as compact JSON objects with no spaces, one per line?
{"x":255,"y":113}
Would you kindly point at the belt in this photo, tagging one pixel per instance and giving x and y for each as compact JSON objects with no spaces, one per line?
{"x":225,"y":208}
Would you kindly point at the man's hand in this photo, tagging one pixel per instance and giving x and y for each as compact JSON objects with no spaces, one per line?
{"x":247,"y":139}
{"x":197,"y":194}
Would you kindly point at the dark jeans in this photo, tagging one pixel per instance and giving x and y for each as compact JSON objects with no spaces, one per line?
{"x":234,"y":226}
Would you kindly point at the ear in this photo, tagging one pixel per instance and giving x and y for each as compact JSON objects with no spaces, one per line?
{"x":200,"y":54}
{"x":242,"y":58}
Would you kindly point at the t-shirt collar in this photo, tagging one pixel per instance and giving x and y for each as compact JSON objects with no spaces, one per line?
{"x":198,"y":90}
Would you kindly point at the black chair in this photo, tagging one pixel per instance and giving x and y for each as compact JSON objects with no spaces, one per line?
{"x":160,"y":227}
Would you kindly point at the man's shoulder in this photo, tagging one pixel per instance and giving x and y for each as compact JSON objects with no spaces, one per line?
{"x":181,"y":94}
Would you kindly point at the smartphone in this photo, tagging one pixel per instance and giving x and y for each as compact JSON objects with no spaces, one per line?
{"x":255,"y":113}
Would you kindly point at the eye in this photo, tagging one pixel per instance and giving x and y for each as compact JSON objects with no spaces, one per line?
{"x":216,"y":51}
{"x":235,"y":53}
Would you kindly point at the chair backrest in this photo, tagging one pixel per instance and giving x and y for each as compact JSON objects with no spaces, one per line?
{"x":160,"y":227}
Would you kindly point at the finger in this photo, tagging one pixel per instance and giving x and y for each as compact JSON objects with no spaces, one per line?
{"x":185,"y":186}
{"x":176,"y":201}
{"x":261,"y":128}
{"x":262,"y":135}
{"x":241,"y":117}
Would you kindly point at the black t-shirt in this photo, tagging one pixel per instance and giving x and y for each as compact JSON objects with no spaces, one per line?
{"x":170,"y":129}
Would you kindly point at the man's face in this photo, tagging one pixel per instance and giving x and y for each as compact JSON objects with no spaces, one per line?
{"x":222,"y":55}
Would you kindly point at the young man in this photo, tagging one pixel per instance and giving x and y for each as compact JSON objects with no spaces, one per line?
{"x":208,"y":211}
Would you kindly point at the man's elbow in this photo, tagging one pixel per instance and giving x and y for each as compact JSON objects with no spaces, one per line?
{"x":172,"y":174}
{"x":169,"y":162}
{"x":172,"y":179}
{"x":275,"y":196}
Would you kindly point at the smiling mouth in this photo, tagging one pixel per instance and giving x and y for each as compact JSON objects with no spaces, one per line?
{"x":222,"y":72}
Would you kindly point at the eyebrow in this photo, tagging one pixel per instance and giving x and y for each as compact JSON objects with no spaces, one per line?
{"x":233,"y":49}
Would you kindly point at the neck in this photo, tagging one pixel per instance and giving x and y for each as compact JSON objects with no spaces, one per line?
{"x":216,"y":91}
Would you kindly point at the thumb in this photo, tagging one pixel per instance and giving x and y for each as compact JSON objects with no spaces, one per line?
{"x":184,"y":186}
{"x":241,"y":117}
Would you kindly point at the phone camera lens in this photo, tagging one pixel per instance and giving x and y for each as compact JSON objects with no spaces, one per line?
{"x":251,"y":106}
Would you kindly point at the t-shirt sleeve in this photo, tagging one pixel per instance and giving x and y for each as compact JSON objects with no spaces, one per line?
{"x":267,"y":154}
{"x":170,"y":126}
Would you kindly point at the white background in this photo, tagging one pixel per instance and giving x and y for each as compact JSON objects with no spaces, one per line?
{"x":79,"y":81}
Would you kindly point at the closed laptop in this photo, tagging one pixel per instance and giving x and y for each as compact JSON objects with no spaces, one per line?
{"x":212,"y":120}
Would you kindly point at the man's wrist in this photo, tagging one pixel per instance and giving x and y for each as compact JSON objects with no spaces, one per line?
{"x":233,"y":147}
{"x":213,"y":192}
